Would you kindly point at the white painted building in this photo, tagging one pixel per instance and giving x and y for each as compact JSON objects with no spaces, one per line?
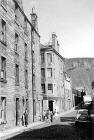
{"x":69,"y":97}
{"x":52,"y":76}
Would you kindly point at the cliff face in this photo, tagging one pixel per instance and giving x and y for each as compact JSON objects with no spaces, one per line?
{"x":81,"y":71}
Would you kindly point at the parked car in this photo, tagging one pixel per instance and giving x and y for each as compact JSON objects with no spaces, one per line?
{"x":82,"y":116}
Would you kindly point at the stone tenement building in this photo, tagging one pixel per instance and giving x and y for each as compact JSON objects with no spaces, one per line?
{"x":52,"y":76}
{"x":36,"y":70}
{"x":69,"y":96}
{"x":18,"y":38}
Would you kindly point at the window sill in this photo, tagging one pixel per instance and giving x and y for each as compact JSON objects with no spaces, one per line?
{"x":17,"y":84}
{"x":3,"y":80}
{"x":49,"y":77}
{"x":49,"y":64}
{"x":4,"y":43}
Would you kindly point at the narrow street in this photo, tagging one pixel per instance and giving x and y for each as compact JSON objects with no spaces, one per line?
{"x":62,"y":128}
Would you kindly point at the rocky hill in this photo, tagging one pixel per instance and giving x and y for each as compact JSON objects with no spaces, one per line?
{"x":81,"y":71}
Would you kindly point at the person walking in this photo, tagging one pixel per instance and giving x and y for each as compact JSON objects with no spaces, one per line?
{"x":26,"y":117}
{"x":23,"y":120}
{"x":51,"y":116}
{"x":44,"y":114}
{"x":54,"y":114}
{"x":47,"y":115}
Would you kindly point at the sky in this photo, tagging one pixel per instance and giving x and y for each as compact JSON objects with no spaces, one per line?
{"x":71,"y":20}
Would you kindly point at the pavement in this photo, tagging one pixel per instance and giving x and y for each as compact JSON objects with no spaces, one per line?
{"x":6,"y":134}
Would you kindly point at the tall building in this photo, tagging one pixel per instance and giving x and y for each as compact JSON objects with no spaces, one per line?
{"x":16,"y":92}
{"x":52,"y":76}
{"x":36,"y":70}
{"x":69,"y":96}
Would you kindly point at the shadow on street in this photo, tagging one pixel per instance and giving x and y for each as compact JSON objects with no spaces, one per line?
{"x":67,"y":131}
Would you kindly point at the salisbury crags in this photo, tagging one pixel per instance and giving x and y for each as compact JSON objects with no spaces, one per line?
{"x":81,"y":71}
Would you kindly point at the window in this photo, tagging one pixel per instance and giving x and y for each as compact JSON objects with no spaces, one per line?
{"x":34,"y":104}
{"x":42,"y":73}
{"x":27,"y":105}
{"x":49,"y":58}
{"x":3,"y":109}
{"x":33,"y":56}
{"x":3,"y":31}
{"x":26,"y":79}
{"x":25,"y":21}
{"x":16,"y":11}
{"x":3,"y":68}
{"x":43,"y":88}
{"x":42,"y":58}
{"x":17,"y":73}
{"x":16,"y":42}
{"x":25,"y":51}
{"x":49,"y":72}
{"x":33,"y":81}
{"x":23,"y":101}
{"x":50,"y":87}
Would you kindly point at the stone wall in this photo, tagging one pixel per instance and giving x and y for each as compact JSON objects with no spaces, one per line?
{"x":9,"y":89}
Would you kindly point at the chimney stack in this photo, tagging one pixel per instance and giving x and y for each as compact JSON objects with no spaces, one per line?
{"x":34,"y":19}
{"x":55,"y":43}
{"x":54,"y":40}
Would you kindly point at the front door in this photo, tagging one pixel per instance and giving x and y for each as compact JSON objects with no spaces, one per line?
{"x":51,"y":105}
{"x":17,"y":111}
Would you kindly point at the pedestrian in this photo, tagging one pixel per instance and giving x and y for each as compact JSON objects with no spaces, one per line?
{"x":26,"y":117}
{"x":54,"y":113}
{"x":51,"y":116}
{"x":23,"y":120}
{"x":44,"y":115}
{"x":47,"y":115}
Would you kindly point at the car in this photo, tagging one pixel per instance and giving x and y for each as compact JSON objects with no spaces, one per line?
{"x":82,"y":116}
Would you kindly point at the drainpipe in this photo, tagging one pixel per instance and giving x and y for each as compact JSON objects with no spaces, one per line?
{"x":32,"y":30}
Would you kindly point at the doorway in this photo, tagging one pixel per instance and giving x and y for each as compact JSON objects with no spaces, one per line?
{"x":17,"y":111}
{"x":51,"y":105}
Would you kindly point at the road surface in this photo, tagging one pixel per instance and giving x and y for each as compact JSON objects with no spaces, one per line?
{"x":61,"y":129}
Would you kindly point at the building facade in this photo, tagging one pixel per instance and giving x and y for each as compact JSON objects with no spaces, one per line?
{"x":69,"y":97}
{"x":16,"y":94}
{"x":78,"y":92}
{"x":52,"y":78}
{"x":36,"y":70}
